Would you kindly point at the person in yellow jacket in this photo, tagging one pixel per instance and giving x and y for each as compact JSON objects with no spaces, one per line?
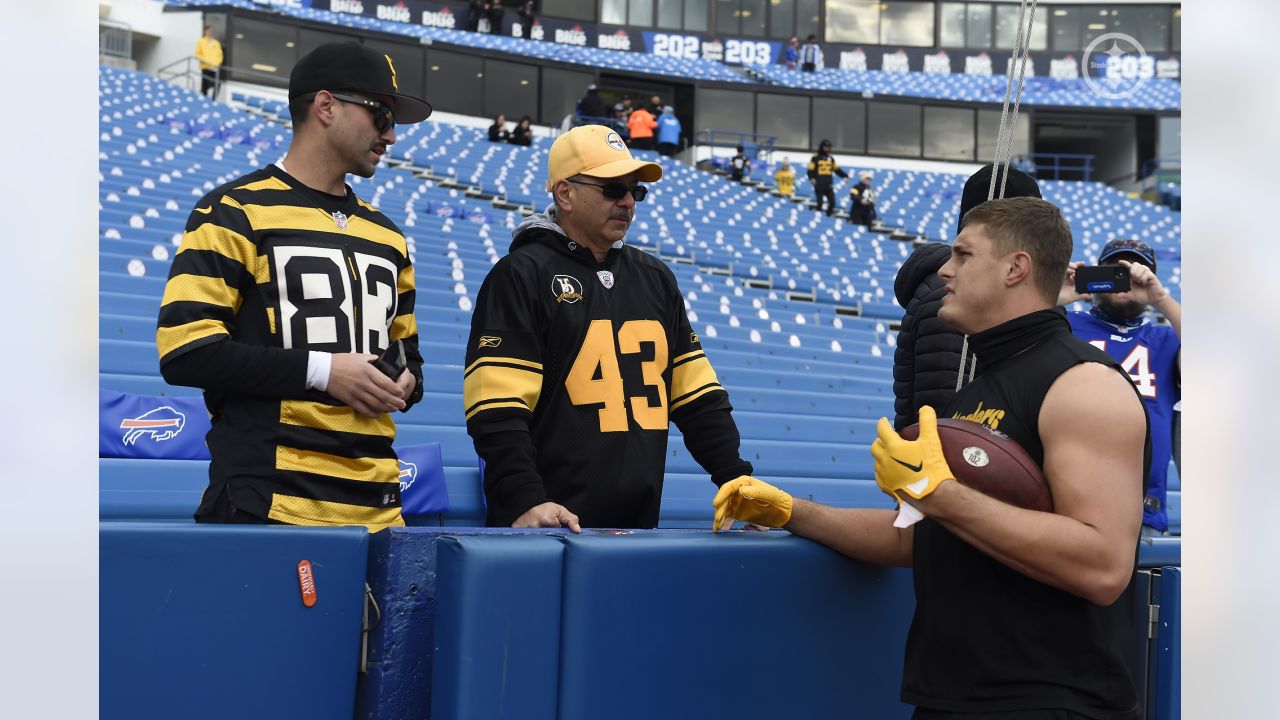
{"x":209,"y":53}
{"x":785,"y":179}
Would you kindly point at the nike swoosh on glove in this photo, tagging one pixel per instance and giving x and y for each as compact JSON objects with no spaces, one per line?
{"x":915,"y":467}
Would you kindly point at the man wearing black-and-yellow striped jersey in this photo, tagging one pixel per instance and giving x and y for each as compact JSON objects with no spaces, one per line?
{"x":284,"y":288}
{"x":581,"y":355}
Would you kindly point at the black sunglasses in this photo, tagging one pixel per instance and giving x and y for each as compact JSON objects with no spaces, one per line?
{"x":616,"y":190}
{"x":384,"y":118}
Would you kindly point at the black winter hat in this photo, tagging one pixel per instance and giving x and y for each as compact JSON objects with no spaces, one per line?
{"x":338,"y":66}
{"x":978,"y":186}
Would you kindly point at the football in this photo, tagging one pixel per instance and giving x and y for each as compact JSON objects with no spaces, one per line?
{"x":991,"y":463}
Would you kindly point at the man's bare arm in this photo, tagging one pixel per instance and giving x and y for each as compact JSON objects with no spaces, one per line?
{"x":1093,"y":429}
{"x":862,"y":534}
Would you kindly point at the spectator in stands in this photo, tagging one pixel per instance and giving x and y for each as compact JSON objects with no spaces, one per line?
{"x":494,"y":12}
{"x":209,"y":53}
{"x":523,"y":132}
{"x":1018,"y":612}
{"x":739,"y":165}
{"x":620,"y":121}
{"x":592,"y":332}
{"x":785,"y":179}
{"x":811,"y":55}
{"x":821,"y":167}
{"x":862,"y":201}
{"x":640,"y":126}
{"x":255,"y":312}
{"x":1150,"y":353}
{"x":931,"y":354}
{"x":668,"y":132}
{"x":791,"y":56}
{"x":475,"y":11}
{"x":527,"y":14}
{"x":591,"y":106}
{"x":655,"y":105}
{"x":498,"y":130}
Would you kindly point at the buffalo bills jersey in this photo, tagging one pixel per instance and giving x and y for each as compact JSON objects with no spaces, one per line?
{"x":270,"y":264}
{"x":574,"y":371}
{"x":1149,"y":353}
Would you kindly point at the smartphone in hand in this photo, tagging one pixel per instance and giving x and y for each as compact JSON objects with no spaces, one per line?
{"x":392,"y":361}
{"x":1102,"y":279}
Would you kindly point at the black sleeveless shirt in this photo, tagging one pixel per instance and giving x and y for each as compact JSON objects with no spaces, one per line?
{"x":986,"y":638}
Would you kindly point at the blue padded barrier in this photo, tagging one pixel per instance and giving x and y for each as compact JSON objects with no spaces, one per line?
{"x":650,"y":610}
{"x":479,"y":628}
{"x":201,"y":621}
{"x":1164,"y":697}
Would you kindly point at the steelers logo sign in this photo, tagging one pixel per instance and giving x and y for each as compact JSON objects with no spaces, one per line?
{"x":615,"y":142}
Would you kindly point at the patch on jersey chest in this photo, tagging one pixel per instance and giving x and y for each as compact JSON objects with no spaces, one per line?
{"x":340,"y":219}
{"x":566,"y":288}
{"x":606,"y":278}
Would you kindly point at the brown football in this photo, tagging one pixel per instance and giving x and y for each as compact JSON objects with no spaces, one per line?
{"x":991,"y":463}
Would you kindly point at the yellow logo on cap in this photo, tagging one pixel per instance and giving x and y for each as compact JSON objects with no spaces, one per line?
{"x":394,"y":85}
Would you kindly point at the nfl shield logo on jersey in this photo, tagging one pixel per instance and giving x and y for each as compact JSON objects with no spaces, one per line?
{"x":606,"y":278}
{"x":340,"y":219}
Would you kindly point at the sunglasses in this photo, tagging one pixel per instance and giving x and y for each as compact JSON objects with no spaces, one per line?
{"x":384,"y":118}
{"x":616,"y":190}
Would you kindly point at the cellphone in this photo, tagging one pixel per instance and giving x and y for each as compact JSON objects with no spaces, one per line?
{"x":1102,"y":279}
{"x":391,"y":363}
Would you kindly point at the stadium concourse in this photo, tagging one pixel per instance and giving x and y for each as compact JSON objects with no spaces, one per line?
{"x":795,"y":309}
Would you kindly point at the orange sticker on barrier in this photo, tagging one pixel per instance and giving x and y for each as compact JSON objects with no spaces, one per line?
{"x":307,"y":583}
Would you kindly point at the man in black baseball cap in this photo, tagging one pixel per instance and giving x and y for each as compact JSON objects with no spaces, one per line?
{"x":266,"y":312}
{"x":345,"y":102}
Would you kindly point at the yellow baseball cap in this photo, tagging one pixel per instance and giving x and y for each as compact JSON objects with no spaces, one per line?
{"x":598,"y":151}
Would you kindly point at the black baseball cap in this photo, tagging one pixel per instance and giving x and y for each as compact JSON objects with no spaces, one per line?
{"x":1143,"y":252}
{"x":978,"y":186}
{"x":338,"y":66}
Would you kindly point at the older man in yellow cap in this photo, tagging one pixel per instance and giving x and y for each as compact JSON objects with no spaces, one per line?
{"x":581,"y":355}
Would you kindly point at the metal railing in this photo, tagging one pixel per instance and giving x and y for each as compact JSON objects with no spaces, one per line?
{"x":1056,"y":166}
{"x":758,"y":147}
{"x":1162,"y":170}
{"x":115,"y":38}
{"x":184,"y":73}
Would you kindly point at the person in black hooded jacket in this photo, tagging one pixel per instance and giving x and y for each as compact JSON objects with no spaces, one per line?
{"x":929,"y":353}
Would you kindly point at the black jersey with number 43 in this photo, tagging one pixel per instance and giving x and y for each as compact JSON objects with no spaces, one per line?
{"x":574,"y":370}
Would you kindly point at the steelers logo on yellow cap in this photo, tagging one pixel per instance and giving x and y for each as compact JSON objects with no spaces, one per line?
{"x":614,"y":141}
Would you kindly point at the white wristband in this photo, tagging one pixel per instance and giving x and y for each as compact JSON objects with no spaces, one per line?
{"x":318,"y":366}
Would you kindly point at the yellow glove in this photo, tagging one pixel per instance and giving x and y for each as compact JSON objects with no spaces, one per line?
{"x":750,"y":500}
{"x":915,"y":467}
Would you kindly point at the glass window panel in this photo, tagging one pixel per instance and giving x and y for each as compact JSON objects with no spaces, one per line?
{"x":1007,"y":28}
{"x":989,"y":128}
{"x":1177,"y":30}
{"x":613,"y":12}
{"x":908,"y":24}
{"x":784,"y":116}
{"x":669,"y":12}
{"x":640,"y":12}
{"x":782,"y":19}
{"x":695,"y":15}
{"x":571,"y":9}
{"x":977,"y":26}
{"x":727,"y":16}
{"x":725,"y":110}
{"x":510,"y":88}
{"x":1096,"y":22}
{"x":263,"y":47}
{"x":808,"y":18}
{"x":1066,"y":29}
{"x":456,"y":82}
{"x":560,"y":92}
{"x":1149,"y":24}
{"x":951,"y":24}
{"x":752,"y":16}
{"x":948,"y":133}
{"x":893,"y":129}
{"x":853,"y":21}
{"x":843,"y":122}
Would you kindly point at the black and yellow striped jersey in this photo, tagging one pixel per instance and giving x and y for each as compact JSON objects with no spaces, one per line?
{"x":821,"y":168}
{"x":271,"y":269}
{"x":574,"y":371}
